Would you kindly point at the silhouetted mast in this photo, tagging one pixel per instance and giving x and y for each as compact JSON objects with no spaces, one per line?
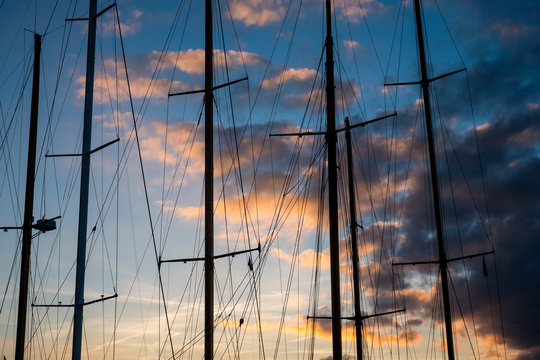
{"x":331,"y":142}
{"x":209,"y":256}
{"x":208,"y":186}
{"x":443,"y":263}
{"x":354,"y":242}
{"x":28,"y":206}
{"x":85,"y":176}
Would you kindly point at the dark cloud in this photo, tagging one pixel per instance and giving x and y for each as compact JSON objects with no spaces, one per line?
{"x":511,"y":167}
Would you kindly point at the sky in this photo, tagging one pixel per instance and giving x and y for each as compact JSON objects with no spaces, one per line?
{"x":146,"y":191}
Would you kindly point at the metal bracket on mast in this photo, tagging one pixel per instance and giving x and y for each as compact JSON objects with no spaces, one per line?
{"x":309,"y":132}
{"x":89,"y":153}
{"x":103,"y":298}
{"x":231,"y":254}
{"x":213,"y":88}
{"x":42,"y":225}
{"x":447,"y":260}
{"x":364,"y":123}
{"x":357,"y":317}
{"x":97,"y":15}
{"x":419,"y":82}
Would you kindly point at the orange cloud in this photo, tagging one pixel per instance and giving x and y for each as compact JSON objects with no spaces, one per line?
{"x":351,"y":44}
{"x":354,"y":10}
{"x":107,"y":89}
{"x":305,"y":258}
{"x":291,"y":74}
{"x":257,"y":12}
{"x":508,"y":29}
{"x":178,"y":145}
{"x":191,"y":61}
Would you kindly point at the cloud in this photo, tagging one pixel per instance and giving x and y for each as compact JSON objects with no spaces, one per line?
{"x":291,"y":74}
{"x":111,"y":84}
{"x":356,"y":10}
{"x":306,"y":258}
{"x":351,"y":44}
{"x":508,"y":29}
{"x":192,"y":61}
{"x":510,"y":161}
{"x":132,"y":23}
{"x":257,"y":12}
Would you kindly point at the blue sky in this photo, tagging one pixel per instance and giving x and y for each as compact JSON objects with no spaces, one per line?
{"x":488,"y":134}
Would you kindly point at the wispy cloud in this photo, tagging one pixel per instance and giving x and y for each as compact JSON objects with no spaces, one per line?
{"x":356,"y":10}
{"x":111,"y":84}
{"x":257,"y":12}
{"x":192,"y":61}
{"x":291,"y":74}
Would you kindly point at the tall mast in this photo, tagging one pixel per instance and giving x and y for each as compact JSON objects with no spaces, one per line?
{"x":443,"y":263}
{"x":331,"y":140}
{"x":208,"y":187}
{"x":28,"y":206}
{"x":85,"y":176}
{"x":354,"y":243}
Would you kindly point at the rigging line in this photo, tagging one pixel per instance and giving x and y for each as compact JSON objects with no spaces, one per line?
{"x":500,"y":305}
{"x":15,"y":39}
{"x":342,"y":72}
{"x":50,"y":17}
{"x":160,"y":216}
{"x":143,"y":174}
{"x":18,"y":102}
{"x":274,"y":48}
{"x":283,"y":68}
{"x":301,"y":219}
{"x":117,"y":170}
{"x":267,"y":130}
{"x":480,"y":163}
{"x":222,"y":315}
{"x":226,"y":224}
{"x":191,"y":135}
{"x":352,"y":47}
{"x":483,"y":220}
{"x":401,"y":7}
{"x":10,"y":275}
{"x":191,"y":282}
{"x":64,"y":48}
{"x":169,"y":39}
{"x":162,"y":208}
{"x":363,"y":12}
{"x":463,"y":319}
{"x":234,"y":129}
{"x":316,"y":269}
{"x":13,"y":297}
{"x":449,"y":33}
{"x":239,"y":48}
{"x":445,"y":129}
{"x":270,"y":123}
{"x":101,"y":220}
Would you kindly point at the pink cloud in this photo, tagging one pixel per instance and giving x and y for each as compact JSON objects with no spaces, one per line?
{"x":303,"y":74}
{"x":191,"y":61}
{"x":105,"y":85}
{"x":354,"y":10}
{"x":508,"y":29}
{"x":257,"y":12}
{"x":351,"y":44}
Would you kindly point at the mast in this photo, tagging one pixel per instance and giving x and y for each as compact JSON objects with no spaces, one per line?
{"x":208,"y":187}
{"x":331,"y":140}
{"x":85,"y":176}
{"x":443,"y":262}
{"x":209,"y":256}
{"x":28,"y":206}
{"x":354,"y":243}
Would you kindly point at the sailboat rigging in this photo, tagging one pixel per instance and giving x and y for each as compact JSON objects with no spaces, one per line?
{"x":237,"y":207}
